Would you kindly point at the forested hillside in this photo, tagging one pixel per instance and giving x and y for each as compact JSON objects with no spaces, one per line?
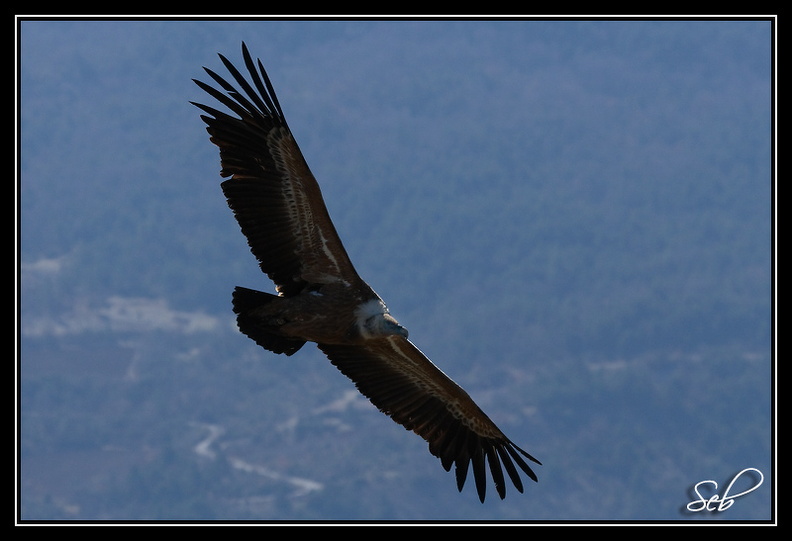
{"x":573,"y":219}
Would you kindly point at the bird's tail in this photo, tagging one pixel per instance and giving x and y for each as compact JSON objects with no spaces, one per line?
{"x":245,"y":302}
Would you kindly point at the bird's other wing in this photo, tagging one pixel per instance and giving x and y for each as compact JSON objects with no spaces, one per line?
{"x":404,"y":384}
{"x":275,"y":197}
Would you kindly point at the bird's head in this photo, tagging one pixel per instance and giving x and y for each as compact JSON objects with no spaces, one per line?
{"x":373,"y":320}
{"x":389,"y":326}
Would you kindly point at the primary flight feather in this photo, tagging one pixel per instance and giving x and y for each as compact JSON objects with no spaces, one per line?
{"x":320,"y":297}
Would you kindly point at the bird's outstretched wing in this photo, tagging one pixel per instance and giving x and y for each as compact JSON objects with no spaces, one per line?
{"x":404,"y":384}
{"x":275,"y":197}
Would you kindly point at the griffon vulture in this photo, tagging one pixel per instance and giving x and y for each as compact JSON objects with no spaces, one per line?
{"x":321,"y":298}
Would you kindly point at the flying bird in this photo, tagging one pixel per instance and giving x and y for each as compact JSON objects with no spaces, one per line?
{"x":320,"y":296}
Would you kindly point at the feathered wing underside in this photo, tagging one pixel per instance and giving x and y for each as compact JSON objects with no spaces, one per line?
{"x":404,"y":384}
{"x":275,"y":197}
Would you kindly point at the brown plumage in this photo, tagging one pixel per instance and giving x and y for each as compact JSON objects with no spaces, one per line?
{"x":321,"y":298}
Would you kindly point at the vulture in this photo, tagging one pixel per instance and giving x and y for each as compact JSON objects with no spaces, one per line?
{"x":320,"y":297}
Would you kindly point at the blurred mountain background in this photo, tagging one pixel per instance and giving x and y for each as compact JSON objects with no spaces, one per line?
{"x":572,"y":218}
